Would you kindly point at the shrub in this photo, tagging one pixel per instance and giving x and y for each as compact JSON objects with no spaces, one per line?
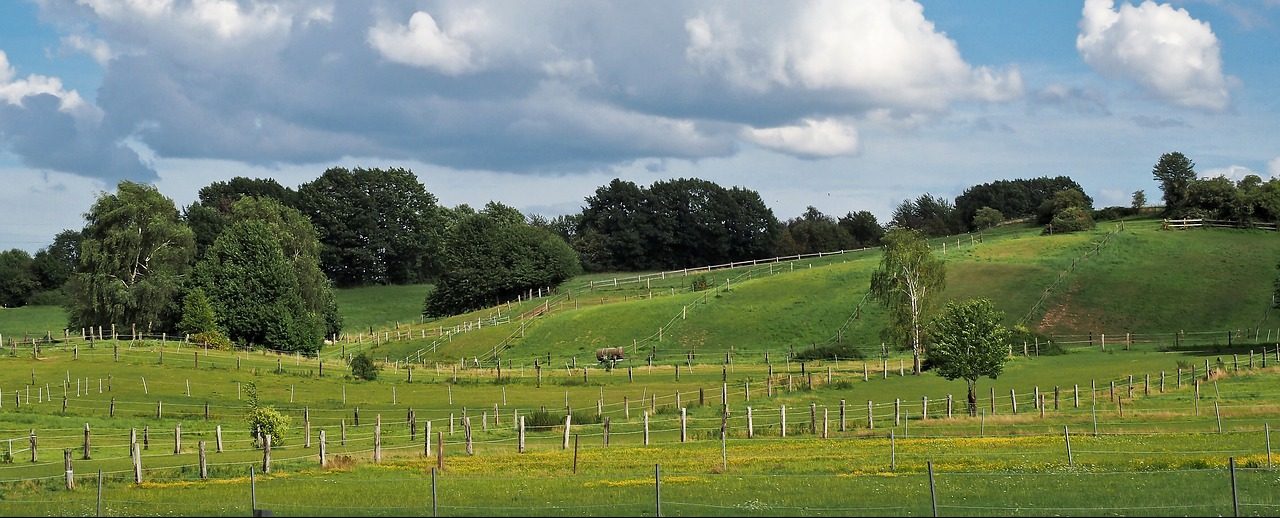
{"x":541,"y":419}
{"x":214,"y":339}
{"x":264,"y":420}
{"x":700,"y":283}
{"x":362,"y":367}
{"x":1070,"y":219}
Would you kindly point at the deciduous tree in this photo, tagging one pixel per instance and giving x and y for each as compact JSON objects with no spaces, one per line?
{"x":969,"y":342}
{"x":908,"y":283}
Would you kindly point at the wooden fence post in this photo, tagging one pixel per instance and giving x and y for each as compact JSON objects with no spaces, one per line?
{"x":204,"y":461}
{"x":266,"y":453}
{"x":86,"y":442}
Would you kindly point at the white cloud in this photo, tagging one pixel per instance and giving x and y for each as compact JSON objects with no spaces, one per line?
{"x":1173,"y":56}
{"x":13,"y":91}
{"x":1233,"y":172}
{"x":422,"y":43}
{"x":811,"y":139}
{"x":98,"y":49}
{"x":884,"y":52}
{"x":1273,"y":167}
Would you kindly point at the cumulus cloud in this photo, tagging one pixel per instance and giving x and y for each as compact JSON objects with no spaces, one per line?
{"x":1166,"y":51}
{"x":1273,"y":167}
{"x":884,"y":52}
{"x":422,"y":43}
{"x":1232,"y":172}
{"x":97,"y":49}
{"x":50,"y":127}
{"x":520,"y":88}
{"x":810,"y":139}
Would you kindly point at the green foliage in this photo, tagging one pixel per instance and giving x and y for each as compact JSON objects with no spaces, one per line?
{"x":17,"y":282}
{"x":54,"y":264}
{"x":673,"y":224}
{"x":932,"y":216}
{"x":214,"y":339}
{"x":1070,"y":219}
{"x":699,"y":283}
{"x":264,"y":420}
{"x":254,"y":290}
{"x":863,"y":228}
{"x":1013,"y":198}
{"x":1175,"y":172}
{"x":813,"y":232}
{"x":299,"y":244}
{"x":362,"y":367}
{"x":376,"y":226}
{"x":987,"y":217}
{"x":908,"y":284}
{"x":1139,"y":200}
{"x":197,"y":314}
{"x":969,"y":343}
{"x":135,"y":255}
{"x":1062,"y":200}
{"x":491,"y":260}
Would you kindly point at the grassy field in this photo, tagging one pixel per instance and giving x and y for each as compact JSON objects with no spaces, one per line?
{"x":364,"y":309}
{"x":999,"y":463}
{"x":1151,"y":430}
{"x":32,"y":321}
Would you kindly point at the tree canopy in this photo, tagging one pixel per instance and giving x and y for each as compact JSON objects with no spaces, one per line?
{"x":255,"y":291}
{"x":17,"y":283}
{"x":1013,"y":198}
{"x":672,"y":224}
{"x":135,"y":256}
{"x":969,"y":342}
{"x":376,"y":226}
{"x":492,"y":257}
{"x":908,"y":284}
{"x":1175,"y":172}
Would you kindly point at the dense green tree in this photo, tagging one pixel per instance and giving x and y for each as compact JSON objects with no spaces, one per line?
{"x":1013,"y":198}
{"x":17,"y":281}
{"x":863,"y":228}
{"x":814,"y":232}
{"x":931,"y":215}
{"x":1062,"y":200}
{"x":969,"y":342}
{"x":208,"y":215}
{"x":54,"y":264}
{"x":986,"y":218}
{"x":254,"y":290}
{"x":1175,"y":172}
{"x":299,"y":243}
{"x":376,"y":226}
{"x":673,"y":223}
{"x":908,"y":283}
{"x":1070,"y":219}
{"x":198,"y":315}
{"x":134,"y":259}
{"x":1139,"y":200}
{"x":490,"y":260}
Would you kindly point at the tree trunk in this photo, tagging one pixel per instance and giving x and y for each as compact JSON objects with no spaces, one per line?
{"x":973,"y":399}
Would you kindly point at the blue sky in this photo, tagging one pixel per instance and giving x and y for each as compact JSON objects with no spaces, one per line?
{"x":841,"y":105}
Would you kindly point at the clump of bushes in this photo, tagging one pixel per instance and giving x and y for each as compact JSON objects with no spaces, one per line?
{"x":362,"y":367}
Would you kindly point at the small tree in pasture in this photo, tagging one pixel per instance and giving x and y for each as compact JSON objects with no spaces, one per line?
{"x":969,"y":343}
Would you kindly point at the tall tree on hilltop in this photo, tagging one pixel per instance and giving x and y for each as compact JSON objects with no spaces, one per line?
{"x":1175,"y":172}
{"x":376,"y":226}
{"x":908,"y":283}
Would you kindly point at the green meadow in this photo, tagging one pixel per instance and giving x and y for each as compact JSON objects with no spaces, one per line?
{"x":1142,"y":422}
